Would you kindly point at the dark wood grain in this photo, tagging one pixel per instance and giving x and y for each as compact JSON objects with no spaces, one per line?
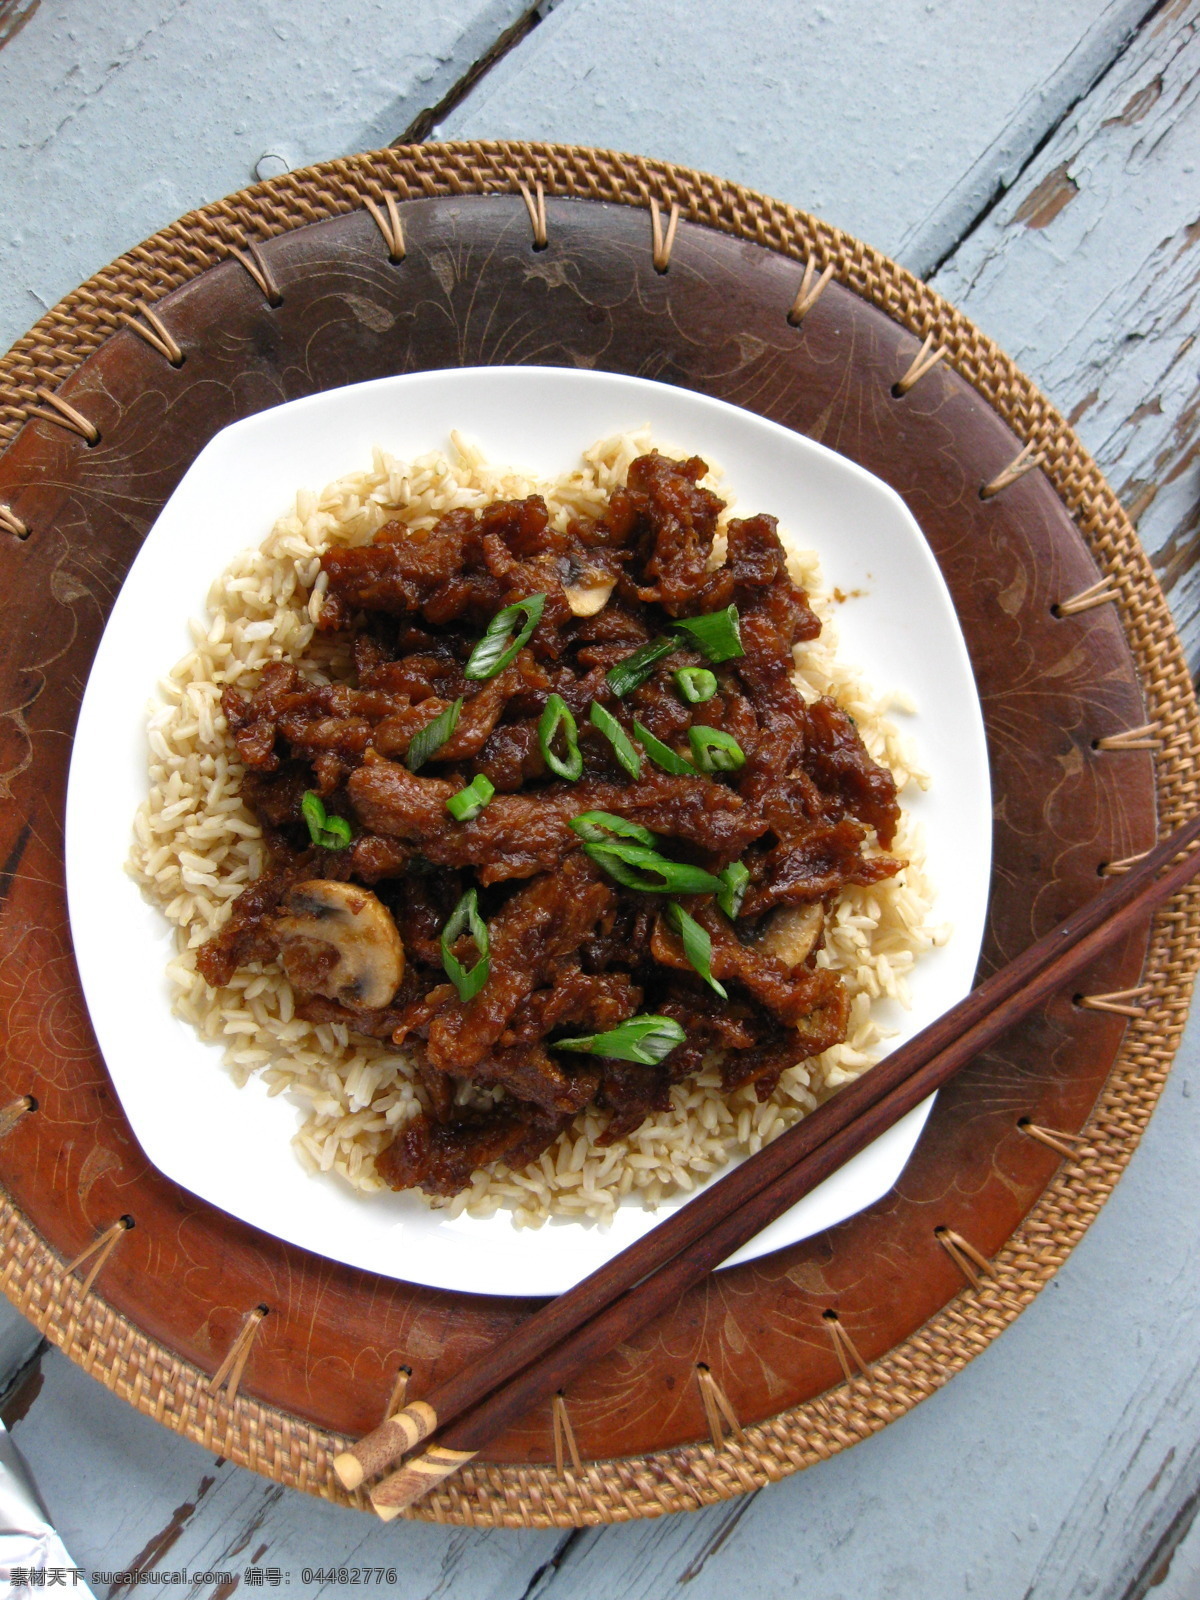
{"x":472,"y":290}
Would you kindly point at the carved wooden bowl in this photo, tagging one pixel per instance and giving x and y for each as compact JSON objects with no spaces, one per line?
{"x":1091,"y":725}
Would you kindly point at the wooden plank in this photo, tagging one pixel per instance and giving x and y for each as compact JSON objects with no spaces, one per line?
{"x":117,"y":119}
{"x":896,"y":123}
{"x":1088,"y":274}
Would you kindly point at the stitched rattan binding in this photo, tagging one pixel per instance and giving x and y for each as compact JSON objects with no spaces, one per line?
{"x":1117,"y":1002}
{"x":14,"y":1111}
{"x":1061,"y":1142}
{"x":924,"y":361}
{"x":390,"y":226}
{"x":718,"y":1412}
{"x":399,"y":1393}
{"x":661,"y":247}
{"x":564,"y":1439}
{"x":1097,"y":594}
{"x":11,"y":522}
{"x":1143,"y":738}
{"x":969,"y":1261}
{"x":536,"y":208}
{"x":64,"y":415}
{"x":230,"y":1371}
{"x":256,"y":265}
{"x":809,"y":291}
{"x":154,"y":333}
{"x":1111,"y":869}
{"x":1017,"y":468}
{"x":847,"y":1351}
{"x":98,"y":1253}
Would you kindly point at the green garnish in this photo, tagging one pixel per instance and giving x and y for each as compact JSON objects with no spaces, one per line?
{"x":635,"y":669}
{"x":637,"y":866}
{"x":558,"y":715}
{"x":466,"y":916}
{"x":598,"y":827}
{"x":733,"y":880}
{"x":697,"y":945}
{"x":331,"y":833}
{"x":645,"y":1039}
{"x":662,"y":755}
{"x":715,"y":751}
{"x":696,"y":684}
{"x":466,"y":805}
{"x":498,"y":647}
{"x":716,"y":635}
{"x":434,"y":736}
{"x":617,"y":737}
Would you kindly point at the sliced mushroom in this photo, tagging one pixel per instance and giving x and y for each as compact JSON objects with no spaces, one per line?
{"x":793,"y":932}
{"x":339,"y":940}
{"x":590,"y":594}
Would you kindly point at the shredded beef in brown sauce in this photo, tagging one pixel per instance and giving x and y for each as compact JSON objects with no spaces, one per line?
{"x":572,"y":951}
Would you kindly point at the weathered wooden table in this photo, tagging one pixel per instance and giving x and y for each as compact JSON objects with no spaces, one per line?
{"x":1039,"y":166}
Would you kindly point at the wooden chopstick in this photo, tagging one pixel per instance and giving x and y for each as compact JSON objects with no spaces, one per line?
{"x":571,"y":1331}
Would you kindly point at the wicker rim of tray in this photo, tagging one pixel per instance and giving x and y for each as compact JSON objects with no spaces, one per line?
{"x":147,"y":1374}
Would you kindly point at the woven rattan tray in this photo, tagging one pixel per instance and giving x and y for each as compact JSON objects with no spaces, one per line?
{"x":465,"y":254}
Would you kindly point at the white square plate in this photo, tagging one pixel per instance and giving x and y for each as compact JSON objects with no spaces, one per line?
{"x":231,"y":1146}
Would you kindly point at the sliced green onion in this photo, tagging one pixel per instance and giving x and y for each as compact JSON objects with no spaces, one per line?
{"x":498,"y":647}
{"x":331,"y":833}
{"x":733,"y":879}
{"x":717,"y":635}
{"x":466,"y":915}
{"x":715,"y":751}
{"x":639,"y":867}
{"x":645,"y":1039}
{"x":598,"y":827}
{"x":696,"y":684}
{"x":433,"y":737}
{"x":662,"y":755}
{"x":635,"y":669}
{"x":697,"y":945}
{"x":466,"y":805}
{"x":558,"y":715}
{"x":617,"y":737}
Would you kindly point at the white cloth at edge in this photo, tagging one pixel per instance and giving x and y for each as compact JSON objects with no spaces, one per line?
{"x":26,"y":1537}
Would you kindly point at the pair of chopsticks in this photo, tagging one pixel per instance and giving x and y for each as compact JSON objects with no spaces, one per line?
{"x":577,"y":1328}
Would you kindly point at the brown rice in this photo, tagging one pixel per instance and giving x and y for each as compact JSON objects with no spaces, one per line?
{"x":196,"y":847}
